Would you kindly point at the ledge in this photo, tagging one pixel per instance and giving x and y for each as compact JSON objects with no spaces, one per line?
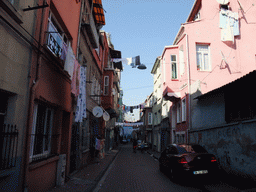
{"x":43,"y":162}
{"x":9,"y":8}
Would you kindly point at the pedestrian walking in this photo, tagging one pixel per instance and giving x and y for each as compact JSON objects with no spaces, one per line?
{"x":97,"y":148}
{"x":134,"y":144}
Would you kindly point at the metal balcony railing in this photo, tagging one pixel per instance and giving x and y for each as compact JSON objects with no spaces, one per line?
{"x":8,"y":146}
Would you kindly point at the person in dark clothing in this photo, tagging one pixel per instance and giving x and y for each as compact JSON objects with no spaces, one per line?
{"x":134,"y":143}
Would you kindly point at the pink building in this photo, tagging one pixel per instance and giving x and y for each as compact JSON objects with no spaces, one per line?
{"x":214,"y":47}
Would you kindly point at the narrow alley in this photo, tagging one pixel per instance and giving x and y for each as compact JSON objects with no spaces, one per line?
{"x":140,"y":172}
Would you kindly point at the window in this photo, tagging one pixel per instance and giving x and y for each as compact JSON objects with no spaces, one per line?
{"x":203,"y":57}
{"x":41,"y":132}
{"x":56,"y":37}
{"x":178,"y":112}
{"x":181,"y":60}
{"x":106,"y":85}
{"x":174,"y":66}
{"x":150,"y":118}
{"x":197,"y":16}
{"x":183,"y":106}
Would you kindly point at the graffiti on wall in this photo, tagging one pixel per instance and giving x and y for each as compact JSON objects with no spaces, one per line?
{"x":234,"y":145}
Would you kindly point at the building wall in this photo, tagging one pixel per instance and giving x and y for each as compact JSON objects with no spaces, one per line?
{"x":50,"y":85}
{"x":16,"y":27}
{"x":207,"y":31}
{"x":233,"y":144}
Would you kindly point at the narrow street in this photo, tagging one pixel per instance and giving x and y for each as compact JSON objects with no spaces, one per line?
{"x":140,"y":172}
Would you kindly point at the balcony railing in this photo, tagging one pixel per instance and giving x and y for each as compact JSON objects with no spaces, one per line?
{"x":8,"y":146}
{"x":53,"y":45}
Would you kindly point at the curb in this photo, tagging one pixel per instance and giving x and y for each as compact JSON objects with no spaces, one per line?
{"x":98,"y":178}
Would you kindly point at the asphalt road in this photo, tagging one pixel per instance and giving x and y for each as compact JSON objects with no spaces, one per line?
{"x":139,"y":172}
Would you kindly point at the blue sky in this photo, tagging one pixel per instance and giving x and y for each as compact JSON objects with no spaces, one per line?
{"x":142,"y":27}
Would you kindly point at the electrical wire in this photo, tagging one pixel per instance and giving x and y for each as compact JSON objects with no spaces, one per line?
{"x":138,"y":88}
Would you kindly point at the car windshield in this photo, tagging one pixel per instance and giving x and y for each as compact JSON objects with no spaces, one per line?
{"x":199,"y":149}
{"x":190,"y":149}
{"x":181,"y":150}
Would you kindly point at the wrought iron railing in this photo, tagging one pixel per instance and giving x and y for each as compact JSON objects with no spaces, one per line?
{"x":8,"y":146}
{"x":53,"y":45}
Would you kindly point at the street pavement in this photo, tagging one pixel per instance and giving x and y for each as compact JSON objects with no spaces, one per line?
{"x":122,"y":170}
{"x":140,"y":172}
{"x":86,"y":179}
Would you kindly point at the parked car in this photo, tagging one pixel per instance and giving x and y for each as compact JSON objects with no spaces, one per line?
{"x":187,"y":160}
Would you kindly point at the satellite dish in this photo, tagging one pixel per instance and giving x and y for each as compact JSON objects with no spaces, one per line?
{"x":97,"y":111}
{"x":106,"y":116}
{"x":223,"y":2}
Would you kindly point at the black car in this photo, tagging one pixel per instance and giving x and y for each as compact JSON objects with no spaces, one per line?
{"x":187,"y":160}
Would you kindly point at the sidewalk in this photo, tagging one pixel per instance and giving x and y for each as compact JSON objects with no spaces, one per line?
{"x":87,"y":178}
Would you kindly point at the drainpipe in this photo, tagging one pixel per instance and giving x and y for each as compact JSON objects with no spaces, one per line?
{"x":31,"y":104}
{"x":189,"y":86}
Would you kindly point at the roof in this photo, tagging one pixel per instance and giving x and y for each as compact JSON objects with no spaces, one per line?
{"x":156,"y":64}
{"x":243,"y":81}
{"x":194,"y":10}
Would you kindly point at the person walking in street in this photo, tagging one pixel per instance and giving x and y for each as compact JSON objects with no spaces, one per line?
{"x":134,"y":144}
{"x":97,"y":148}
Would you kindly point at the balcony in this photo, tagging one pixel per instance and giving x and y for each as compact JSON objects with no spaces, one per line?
{"x":90,"y":28}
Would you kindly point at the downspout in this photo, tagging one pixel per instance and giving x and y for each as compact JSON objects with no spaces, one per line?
{"x":189,"y":87}
{"x":31,"y":104}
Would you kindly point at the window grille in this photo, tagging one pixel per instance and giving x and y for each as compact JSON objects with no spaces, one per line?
{"x":9,"y":146}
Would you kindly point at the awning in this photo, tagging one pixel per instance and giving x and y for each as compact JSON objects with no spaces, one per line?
{"x":171,"y":95}
{"x":112,"y":112}
{"x":98,"y":12}
{"x":116,"y":54}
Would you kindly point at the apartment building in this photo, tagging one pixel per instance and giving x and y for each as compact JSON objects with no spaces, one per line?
{"x":212,"y":49}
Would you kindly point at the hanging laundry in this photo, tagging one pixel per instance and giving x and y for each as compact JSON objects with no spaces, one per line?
{"x":229,"y":24}
{"x":135,"y":61}
{"x":69,"y":62}
{"x":81,"y":101}
{"x":64,"y":51}
{"x":227,"y":34}
{"x":131,"y":109}
{"x":132,"y":61}
{"x":123,"y":60}
{"x":75,"y":79}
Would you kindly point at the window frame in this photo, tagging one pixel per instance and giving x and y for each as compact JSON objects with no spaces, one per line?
{"x":45,"y":153}
{"x":181,"y":60}
{"x":106,"y":86}
{"x":183,"y":110}
{"x":178,"y":112}
{"x":149,"y":118}
{"x":57,"y":32}
{"x":174,"y":63}
{"x":201,"y":64}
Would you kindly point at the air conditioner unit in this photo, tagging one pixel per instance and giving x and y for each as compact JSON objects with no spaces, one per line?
{"x":61,"y":168}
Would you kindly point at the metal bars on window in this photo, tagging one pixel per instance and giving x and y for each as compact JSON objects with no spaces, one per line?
{"x":8,"y":146}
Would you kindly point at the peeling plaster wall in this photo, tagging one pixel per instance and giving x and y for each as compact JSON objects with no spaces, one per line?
{"x":234,"y":145}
